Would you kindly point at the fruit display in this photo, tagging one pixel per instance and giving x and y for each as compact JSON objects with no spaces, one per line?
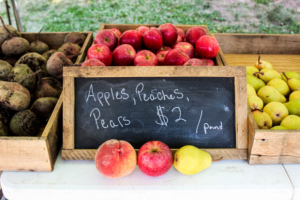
{"x":272,"y":97}
{"x":154,"y":46}
{"x":30,"y":82}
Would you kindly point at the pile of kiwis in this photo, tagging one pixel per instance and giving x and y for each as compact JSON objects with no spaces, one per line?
{"x":30,"y":79}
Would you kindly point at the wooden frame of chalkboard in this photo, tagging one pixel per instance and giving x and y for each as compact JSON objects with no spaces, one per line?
{"x":238,"y":74}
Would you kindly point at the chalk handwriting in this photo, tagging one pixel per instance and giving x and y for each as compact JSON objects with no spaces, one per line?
{"x":163,"y":119}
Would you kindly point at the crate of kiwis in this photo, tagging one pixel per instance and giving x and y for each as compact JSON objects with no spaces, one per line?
{"x":31,"y":67}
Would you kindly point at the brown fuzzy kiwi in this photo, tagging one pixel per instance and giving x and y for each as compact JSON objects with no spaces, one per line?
{"x":5,"y":69}
{"x":14,"y":96}
{"x":55,"y":64}
{"x":75,"y":38}
{"x":47,"y":87}
{"x":4,"y":34}
{"x":49,"y":53}
{"x":43,"y":107}
{"x":38,"y":46}
{"x":20,"y":72}
{"x":24,"y":123}
{"x":14,"y":45}
{"x":35,"y":61}
{"x":70,"y":49}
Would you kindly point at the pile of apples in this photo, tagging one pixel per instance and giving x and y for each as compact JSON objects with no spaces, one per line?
{"x":273,"y":98}
{"x":165,"y":45}
{"x":117,"y":158}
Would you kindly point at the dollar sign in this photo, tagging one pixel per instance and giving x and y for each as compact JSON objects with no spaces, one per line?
{"x":163,"y":119}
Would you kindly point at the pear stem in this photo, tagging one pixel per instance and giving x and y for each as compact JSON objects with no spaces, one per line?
{"x":254,"y":74}
{"x":258,"y":110}
{"x":38,"y":35}
{"x":23,"y":79}
{"x":74,"y":55}
{"x":259,"y":59}
{"x":285,"y":76}
{"x":217,"y":159}
{"x":6,"y":28}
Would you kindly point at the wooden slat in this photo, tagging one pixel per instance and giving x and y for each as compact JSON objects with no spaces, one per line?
{"x":259,"y":43}
{"x":154,"y":71}
{"x":262,"y":160}
{"x":85,"y":47}
{"x":89,"y":154}
{"x":241,"y":112}
{"x":68,"y":112}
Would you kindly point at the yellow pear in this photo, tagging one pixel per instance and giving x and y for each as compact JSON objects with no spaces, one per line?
{"x":277,"y":111}
{"x":294,"y":95}
{"x":269,"y":94}
{"x":268,"y":74}
{"x":291,"y":122}
{"x":190,"y":160}
{"x":293,"y":107}
{"x":250,"y":70}
{"x":255,"y":82}
{"x":280,"y":85}
{"x":250,"y":90}
{"x":278,"y":128}
{"x":262,"y":119}
{"x":293,"y":83}
{"x":290,"y":74}
{"x":254,"y":102}
{"x":260,"y":64}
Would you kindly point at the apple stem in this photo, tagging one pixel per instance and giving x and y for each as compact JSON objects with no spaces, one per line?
{"x":259,"y":60}
{"x":285,"y":76}
{"x":217,"y":159}
{"x":6,"y":28}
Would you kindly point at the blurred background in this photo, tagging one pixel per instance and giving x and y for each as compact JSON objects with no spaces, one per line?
{"x":244,"y":16}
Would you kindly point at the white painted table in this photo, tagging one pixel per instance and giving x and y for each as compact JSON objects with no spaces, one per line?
{"x":293,"y":171}
{"x":227,"y":179}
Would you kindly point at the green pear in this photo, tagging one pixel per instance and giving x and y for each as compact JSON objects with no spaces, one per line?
{"x":260,"y":64}
{"x":250,"y":90}
{"x":293,"y":83}
{"x":280,"y":85}
{"x":277,"y":111}
{"x":268,"y":74}
{"x":290,"y":75}
{"x":254,"y":102}
{"x":278,"y":128}
{"x":291,"y":122}
{"x":293,"y":107}
{"x":269,"y":94}
{"x":262,"y":119}
{"x":255,"y":82}
{"x":294,"y":95}
{"x":250,"y":70}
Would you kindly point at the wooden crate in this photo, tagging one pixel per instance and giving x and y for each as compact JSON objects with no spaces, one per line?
{"x":219,"y":60}
{"x":283,"y":51}
{"x":39,"y":153}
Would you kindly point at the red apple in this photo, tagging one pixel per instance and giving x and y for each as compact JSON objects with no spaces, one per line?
{"x":145,"y":63}
{"x":169,"y":33}
{"x":163,"y":48}
{"x":194,"y":62}
{"x":142,"y":29}
{"x":176,"y":57}
{"x":179,"y":39}
{"x":117,"y":32}
{"x":108,"y":38}
{"x":115,"y":159}
{"x":145,"y":55}
{"x":207,"y":47}
{"x":100,"y":52}
{"x":161,"y":57}
{"x":155,"y":158}
{"x":181,"y":33}
{"x":193,"y":34}
{"x":92,"y":62}
{"x":153,"y":39}
{"x":131,"y":37}
{"x":186,"y":48}
{"x":123,"y":55}
{"x":207,"y":62}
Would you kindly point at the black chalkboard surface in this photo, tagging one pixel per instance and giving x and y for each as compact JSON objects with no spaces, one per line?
{"x":178,"y":111}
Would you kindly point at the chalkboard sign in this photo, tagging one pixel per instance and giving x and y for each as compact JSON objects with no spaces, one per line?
{"x":199,"y":111}
{"x":169,"y":104}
